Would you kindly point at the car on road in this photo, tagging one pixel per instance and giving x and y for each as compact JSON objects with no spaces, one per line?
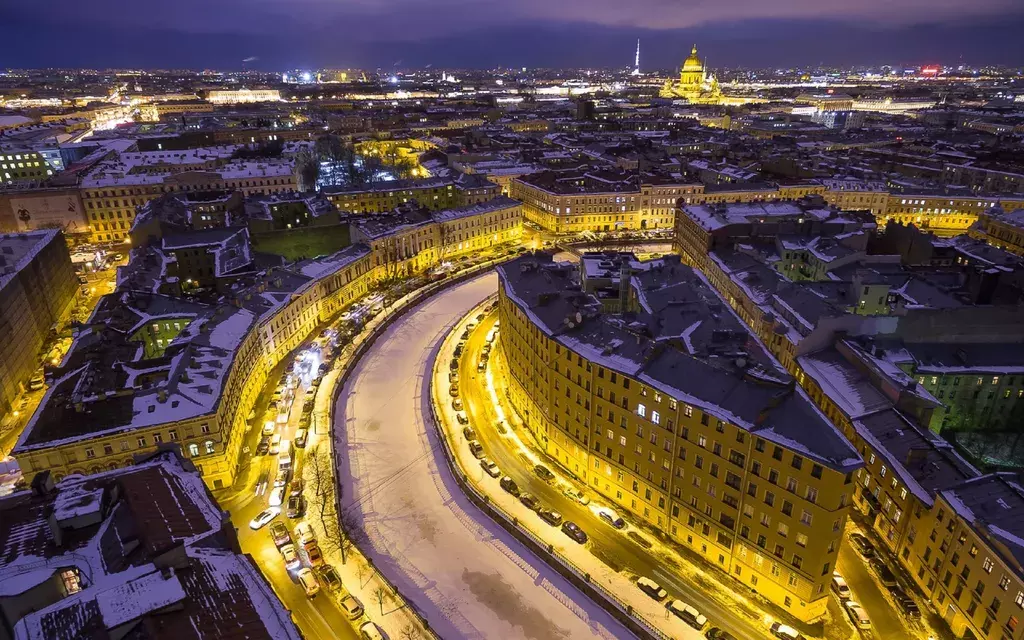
{"x":316,"y":557}
{"x":863,"y":545}
{"x":470,"y":326}
{"x":279,"y":533}
{"x":839,"y":587}
{"x":370,"y":631}
{"x":304,"y":534}
{"x":550,"y":516}
{"x":905,"y":603}
{"x":857,"y":614}
{"x":453,"y":390}
{"x":576,"y":494}
{"x":651,"y":588}
{"x":308,"y":581}
{"x":461,"y":417}
{"x":296,"y":506}
{"x":476,"y":449}
{"x":530,"y":501}
{"x":351,"y":606}
{"x":510,"y":486}
{"x":295,"y":488}
{"x":276,"y":497}
{"x":714,"y":633}
{"x":329,"y":577}
{"x":457,"y":404}
{"x":640,"y":540}
{"x":300,"y":438}
{"x":268,"y":427}
{"x":465,"y":335}
{"x":275,"y":444}
{"x":490,"y":468}
{"x":453,"y":377}
{"x":469,"y":433}
{"x":543,"y":473}
{"x":688,"y":614}
{"x":263,"y":517}
{"x":611,"y":518}
{"x":573,"y":530}
{"x":885,"y":575}
{"x":480,"y":317}
{"x":458,"y":349}
{"x":281,"y":479}
{"x":291,"y":556}
{"x":785,"y":632}
{"x":263,"y":448}
{"x":480,"y":368}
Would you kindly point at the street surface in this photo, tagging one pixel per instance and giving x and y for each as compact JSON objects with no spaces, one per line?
{"x":468,"y":576}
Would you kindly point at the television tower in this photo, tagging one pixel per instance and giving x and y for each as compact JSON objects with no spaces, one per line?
{"x":636,"y":61}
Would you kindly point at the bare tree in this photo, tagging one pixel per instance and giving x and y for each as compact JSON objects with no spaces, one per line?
{"x":445,"y":240}
{"x":307,"y":170}
{"x":339,"y":530}
{"x":380,"y":594}
{"x":409,"y":632}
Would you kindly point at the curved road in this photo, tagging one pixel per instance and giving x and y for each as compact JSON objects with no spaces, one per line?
{"x":468,"y":577}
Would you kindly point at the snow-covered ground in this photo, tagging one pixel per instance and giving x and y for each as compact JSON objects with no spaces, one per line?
{"x":468,"y":576}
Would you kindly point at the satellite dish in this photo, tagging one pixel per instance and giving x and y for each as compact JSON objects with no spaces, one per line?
{"x":572,"y":325}
{"x":741,"y":363}
{"x":579,"y":317}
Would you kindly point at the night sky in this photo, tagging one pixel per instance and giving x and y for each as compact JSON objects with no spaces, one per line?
{"x":287,"y":34}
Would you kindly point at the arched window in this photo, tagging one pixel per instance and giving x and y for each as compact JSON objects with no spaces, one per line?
{"x":209,"y":446}
{"x":193,"y":450}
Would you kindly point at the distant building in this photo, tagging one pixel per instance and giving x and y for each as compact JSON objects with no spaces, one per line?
{"x":237,"y":96}
{"x":831,"y":110}
{"x":37,"y":291}
{"x":695,"y":84}
{"x":22,"y":165}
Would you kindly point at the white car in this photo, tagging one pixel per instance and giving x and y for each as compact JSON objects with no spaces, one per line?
{"x":490,"y":467}
{"x":651,"y":588}
{"x":308,"y":582}
{"x":304,"y":533}
{"x":370,"y":631}
{"x":263,"y":517}
{"x":857,"y":614}
{"x":291,"y":556}
{"x":276,"y":497}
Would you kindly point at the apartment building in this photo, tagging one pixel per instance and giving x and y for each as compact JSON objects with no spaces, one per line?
{"x":144,"y":551}
{"x":432,"y":193}
{"x":38,"y":286}
{"x":704,"y":436}
{"x":1001,"y":228}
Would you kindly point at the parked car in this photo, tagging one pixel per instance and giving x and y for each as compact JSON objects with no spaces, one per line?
{"x":576,"y":494}
{"x":885,"y":575}
{"x":465,"y":335}
{"x":291,"y":556}
{"x":453,"y":365}
{"x":457,"y":404}
{"x":296,"y":506}
{"x":316,"y":557}
{"x":688,"y":614}
{"x":263,"y":517}
{"x":304,"y":534}
{"x":543,"y":473}
{"x":263,"y":448}
{"x":839,"y":586}
{"x":295,"y":487}
{"x":480,"y":368}
{"x":550,"y":516}
{"x":268,"y":427}
{"x":329,"y":578}
{"x":458,"y":349}
{"x":453,"y":377}
{"x":863,"y":545}
{"x":282,"y":477}
{"x":573,"y":530}
{"x":476,"y":449}
{"x":461,"y":417}
{"x":453,"y":390}
{"x":300,"y":438}
{"x":785,"y":632}
{"x":276,"y":497}
{"x":490,"y":468}
{"x":651,"y":588}
{"x":612,"y":519}
{"x":714,"y":633}
{"x":351,"y":607}
{"x":905,"y":603}
{"x":530,"y":501}
{"x":370,"y":631}
{"x":279,"y":533}
{"x":510,"y":486}
{"x":308,"y":582}
{"x":857,"y":614}
{"x":469,"y":433}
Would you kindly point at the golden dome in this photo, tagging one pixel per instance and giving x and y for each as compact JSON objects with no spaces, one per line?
{"x":693,"y":63}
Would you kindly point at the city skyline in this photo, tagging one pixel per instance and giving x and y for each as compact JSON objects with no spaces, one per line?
{"x":978,"y":35}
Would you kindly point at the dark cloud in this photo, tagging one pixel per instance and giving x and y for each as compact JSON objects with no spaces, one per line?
{"x":483,"y":33}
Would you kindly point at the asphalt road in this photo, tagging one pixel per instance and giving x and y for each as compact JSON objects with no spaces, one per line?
{"x":615,"y":548}
{"x":885,"y":621}
{"x":317,"y":618}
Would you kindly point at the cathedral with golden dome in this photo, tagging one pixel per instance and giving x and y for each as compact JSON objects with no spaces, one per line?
{"x":695,"y":84}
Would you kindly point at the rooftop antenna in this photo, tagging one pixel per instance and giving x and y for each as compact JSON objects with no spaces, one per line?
{"x":636,"y":61}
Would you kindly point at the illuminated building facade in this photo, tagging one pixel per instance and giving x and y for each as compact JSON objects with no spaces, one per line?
{"x":695,"y":84}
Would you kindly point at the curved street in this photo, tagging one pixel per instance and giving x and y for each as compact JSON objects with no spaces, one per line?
{"x":468,"y":577}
